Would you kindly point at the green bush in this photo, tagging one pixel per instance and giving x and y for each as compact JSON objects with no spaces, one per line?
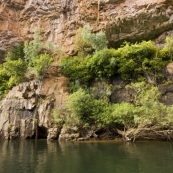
{"x":80,"y":105}
{"x":15,"y":53}
{"x":80,"y":45}
{"x":33,"y":48}
{"x":140,"y":61}
{"x":19,"y":59}
{"x":146,"y":110}
{"x":97,"y":41}
{"x":131,"y":61}
{"x":75,"y":69}
{"x":12,"y":70}
{"x":15,"y":69}
{"x":36,"y":61}
{"x":41,"y":64}
{"x":103,"y":63}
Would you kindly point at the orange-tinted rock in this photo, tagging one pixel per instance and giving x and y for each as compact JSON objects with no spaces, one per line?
{"x":58,"y":20}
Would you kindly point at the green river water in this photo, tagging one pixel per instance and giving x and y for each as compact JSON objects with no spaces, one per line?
{"x":30,"y":156}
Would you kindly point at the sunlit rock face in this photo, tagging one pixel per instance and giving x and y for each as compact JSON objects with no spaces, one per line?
{"x":58,"y":20}
{"x":26,"y":112}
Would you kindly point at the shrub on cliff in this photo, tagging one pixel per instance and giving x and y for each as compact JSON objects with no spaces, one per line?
{"x":81,"y":46}
{"x":140,"y":61}
{"x":20,"y":59}
{"x":75,"y":69}
{"x":33,"y":48}
{"x":145,"y":111}
{"x":84,"y":109}
{"x":36,"y":61}
{"x":98,"y":40}
{"x":85,"y":41}
{"x":12,"y":70}
{"x":41,"y":64}
{"x":103,"y":64}
{"x":136,"y":58}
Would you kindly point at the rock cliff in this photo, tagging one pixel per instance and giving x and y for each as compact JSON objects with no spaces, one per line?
{"x":58,"y":20}
{"x":26,"y":111}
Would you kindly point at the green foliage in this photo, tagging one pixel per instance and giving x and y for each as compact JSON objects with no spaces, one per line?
{"x":123,"y":114}
{"x":19,"y":59}
{"x":169,"y":46}
{"x":37,"y":62}
{"x":81,"y":45}
{"x":133,"y":62}
{"x":86,"y":110}
{"x":32,"y":49}
{"x":144,"y":93}
{"x":74,"y":86}
{"x":101,"y":90}
{"x":41,"y":64}
{"x":15,"y":70}
{"x":57,"y":116}
{"x":35,"y":120}
{"x":75,"y":69}
{"x":15,"y":53}
{"x":146,"y":110}
{"x":4,"y":78}
{"x":103,"y":63}
{"x":12,"y":70}
{"x":98,"y":41}
{"x":140,"y":61}
{"x":81,"y":106}
{"x":136,"y":58}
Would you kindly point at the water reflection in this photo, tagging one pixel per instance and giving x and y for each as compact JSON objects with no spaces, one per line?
{"x":30,"y":156}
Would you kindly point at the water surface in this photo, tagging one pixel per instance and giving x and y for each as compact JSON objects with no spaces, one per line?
{"x":30,"y":156}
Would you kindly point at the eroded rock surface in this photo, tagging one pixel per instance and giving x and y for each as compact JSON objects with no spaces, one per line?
{"x":58,"y":20}
{"x":26,"y":111}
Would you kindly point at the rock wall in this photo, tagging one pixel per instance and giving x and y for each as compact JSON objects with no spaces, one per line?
{"x":58,"y":20}
{"x":26,"y":111}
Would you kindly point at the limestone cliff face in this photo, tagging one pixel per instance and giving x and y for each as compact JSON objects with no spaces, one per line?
{"x":58,"y":20}
{"x":26,"y":111}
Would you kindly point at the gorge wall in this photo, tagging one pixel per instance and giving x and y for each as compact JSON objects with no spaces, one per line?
{"x":27,"y":108}
{"x":58,"y":20}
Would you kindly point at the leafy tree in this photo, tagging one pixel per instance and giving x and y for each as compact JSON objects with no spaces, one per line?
{"x":82,"y":46}
{"x":41,"y":64}
{"x":132,"y":57}
{"x":15,"y":53}
{"x":103,"y":63}
{"x":12,"y":70}
{"x":85,"y":110}
{"x":33,"y":48}
{"x":149,"y":111}
{"x":98,"y":41}
{"x":80,"y":104}
{"x":37,"y":62}
{"x":123,"y":114}
{"x":15,"y":70}
{"x":19,"y":59}
{"x":75,"y":69}
{"x":4,"y":78}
